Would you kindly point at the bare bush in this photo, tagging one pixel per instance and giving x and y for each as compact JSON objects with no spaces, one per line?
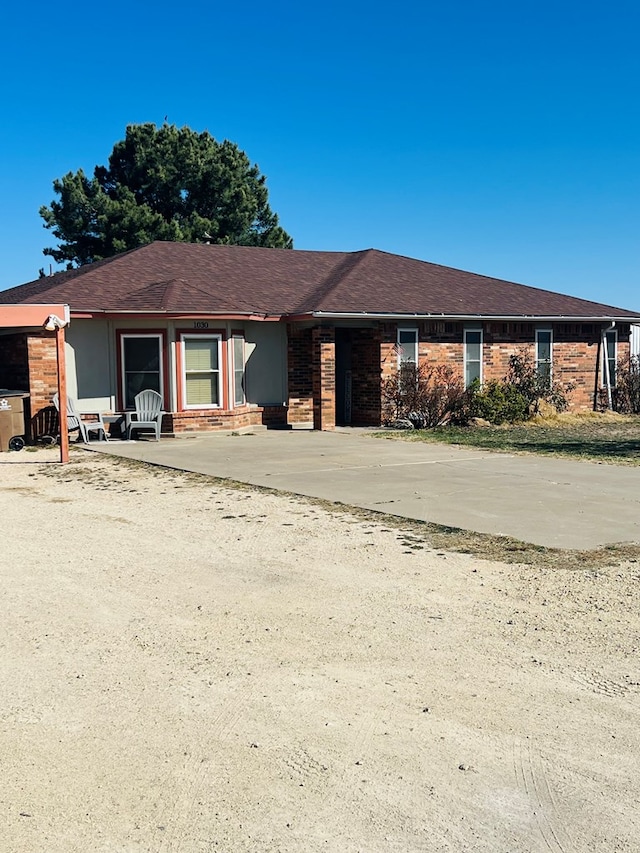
{"x":626,"y":394}
{"x":424,"y":395}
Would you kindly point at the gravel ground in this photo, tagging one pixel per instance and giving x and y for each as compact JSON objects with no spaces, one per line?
{"x":189,"y":667}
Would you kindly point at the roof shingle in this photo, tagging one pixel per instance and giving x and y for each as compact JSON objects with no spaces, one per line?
{"x":212,"y":279}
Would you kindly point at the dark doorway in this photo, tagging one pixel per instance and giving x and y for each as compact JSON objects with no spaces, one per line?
{"x":358,"y":376}
{"x":344,"y":377}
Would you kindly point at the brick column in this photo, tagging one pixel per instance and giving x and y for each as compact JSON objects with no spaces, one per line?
{"x":324,"y":378}
{"x":299,"y":376}
{"x":43,"y":381}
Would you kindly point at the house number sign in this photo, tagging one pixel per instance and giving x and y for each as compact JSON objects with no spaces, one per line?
{"x":200,"y":324}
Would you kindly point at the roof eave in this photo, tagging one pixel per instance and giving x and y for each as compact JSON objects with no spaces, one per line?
{"x":540,"y":318}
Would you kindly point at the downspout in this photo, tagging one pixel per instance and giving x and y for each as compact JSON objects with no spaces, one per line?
{"x":605,"y":357}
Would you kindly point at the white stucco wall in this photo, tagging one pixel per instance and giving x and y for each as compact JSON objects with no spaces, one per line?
{"x":92,"y":359}
{"x":266,"y":363}
{"x":89,"y":358}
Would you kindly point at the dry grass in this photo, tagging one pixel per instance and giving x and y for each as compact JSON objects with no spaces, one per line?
{"x":602,"y":437}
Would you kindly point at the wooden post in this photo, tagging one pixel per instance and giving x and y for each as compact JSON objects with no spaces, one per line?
{"x":62,"y":395}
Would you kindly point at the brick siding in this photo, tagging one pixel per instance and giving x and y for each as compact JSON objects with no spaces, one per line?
{"x":300,"y":375}
{"x":576,"y":351}
{"x":206,"y":420}
{"x":324,"y":377}
{"x":43,"y":383}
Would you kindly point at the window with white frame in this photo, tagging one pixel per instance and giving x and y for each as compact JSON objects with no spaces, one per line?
{"x":610,"y":357}
{"x":544,"y":353}
{"x":472,"y":356}
{"x":201,"y":371}
{"x":407,"y":346}
{"x":237,"y":354}
{"x":141,"y":364}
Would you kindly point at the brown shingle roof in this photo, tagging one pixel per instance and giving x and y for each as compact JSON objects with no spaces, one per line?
{"x":212,"y":279}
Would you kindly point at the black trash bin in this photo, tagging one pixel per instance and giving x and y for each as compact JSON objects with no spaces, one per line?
{"x":11,"y":419}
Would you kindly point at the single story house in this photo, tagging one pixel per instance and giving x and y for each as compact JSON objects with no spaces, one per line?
{"x":234,"y":337}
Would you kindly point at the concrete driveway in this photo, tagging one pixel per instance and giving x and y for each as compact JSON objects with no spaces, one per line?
{"x":546,"y":501}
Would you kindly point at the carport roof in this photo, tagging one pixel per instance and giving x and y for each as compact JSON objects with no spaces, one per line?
{"x":182,"y":278}
{"x":30,"y":315}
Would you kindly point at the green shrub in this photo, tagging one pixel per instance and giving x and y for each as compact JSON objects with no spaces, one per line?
{"x":499,"y":403}
{"x":515,"y":398}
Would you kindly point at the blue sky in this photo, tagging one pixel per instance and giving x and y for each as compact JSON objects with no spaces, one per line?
{"x":497,"y":137}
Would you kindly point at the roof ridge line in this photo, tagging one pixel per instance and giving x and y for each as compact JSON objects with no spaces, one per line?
{"x":168,"y":286}
{"x":337,"y":275}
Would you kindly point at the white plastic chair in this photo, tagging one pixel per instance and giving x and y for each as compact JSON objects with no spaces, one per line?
{"x":147,"y":414}
{"x":92,"y":422}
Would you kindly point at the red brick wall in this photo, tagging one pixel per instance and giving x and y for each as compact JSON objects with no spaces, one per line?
{"x":43,"y":382}
{"x":576,"y":351}
{"x":206,"y":420}
{"x":388,"y":350}
{"x":300,"y":375}
{"x":324,"y":377}
{"x":43,"y":369}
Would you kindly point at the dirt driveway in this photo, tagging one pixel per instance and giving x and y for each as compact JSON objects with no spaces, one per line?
{"x":187,"y":667}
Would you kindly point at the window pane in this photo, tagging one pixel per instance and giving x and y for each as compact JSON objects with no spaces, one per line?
{"x":136,"y":382}
{"x":544,"y":346}
{"x":473,"y":352}
{"x":472,"y":356}
{"x":201,"y":354}
{"x":611,"y":356}
{"x":141,"y":367}
{"x":544,"y":354}
{"x":238,"y":370}
{"x":544,"y":370}
{"x":408,"y":343}
{"x":202,"y":390}
{"x":472,"y":372}
{"x":141,"y":354}
{"x":201,"y":370}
